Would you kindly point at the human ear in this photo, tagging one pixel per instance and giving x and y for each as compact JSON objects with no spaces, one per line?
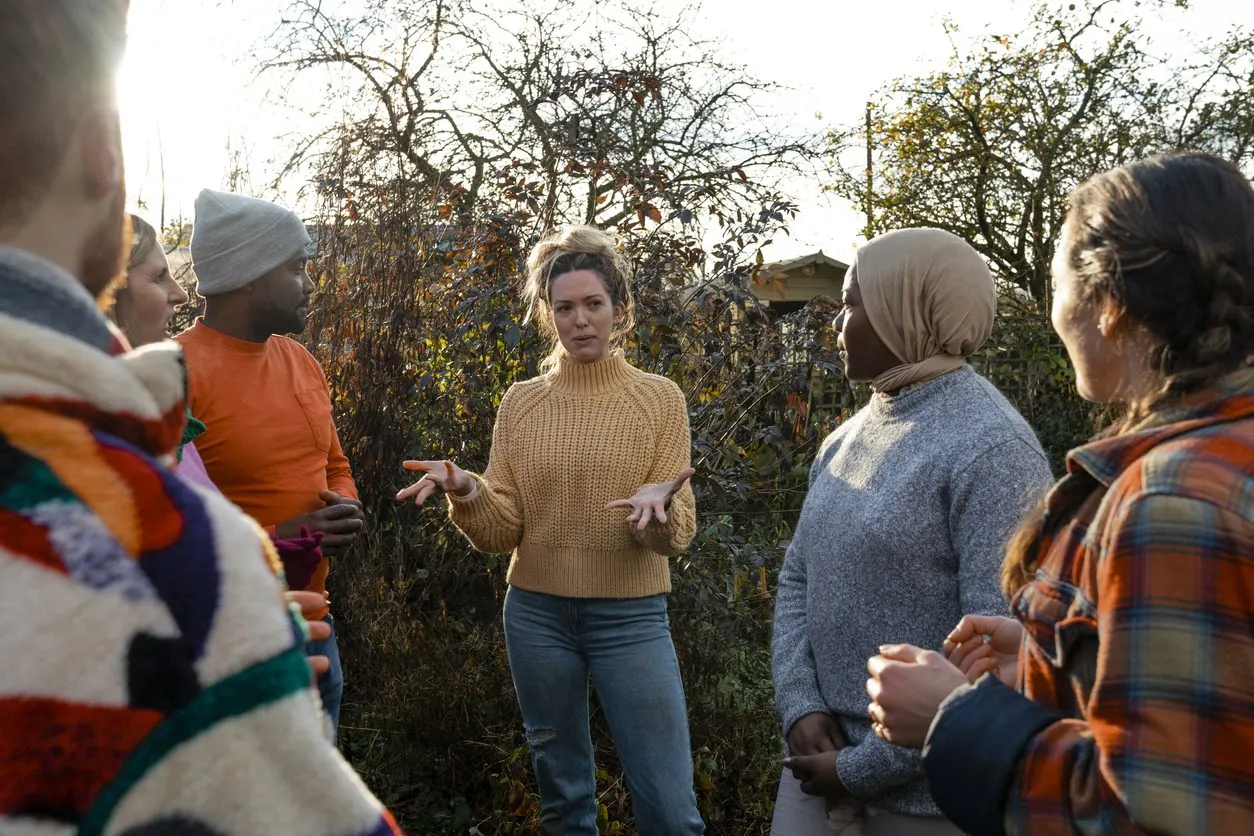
{"x":101,"y":143}
{"x":1111,"y":318}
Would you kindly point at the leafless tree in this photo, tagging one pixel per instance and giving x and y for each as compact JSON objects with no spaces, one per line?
{"x":616,"y":116}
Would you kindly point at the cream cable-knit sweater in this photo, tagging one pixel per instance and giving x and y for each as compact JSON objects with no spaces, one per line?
{"x":564,"y":445}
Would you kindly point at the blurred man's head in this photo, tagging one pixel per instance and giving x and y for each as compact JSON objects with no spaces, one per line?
{"x":61,"y":178}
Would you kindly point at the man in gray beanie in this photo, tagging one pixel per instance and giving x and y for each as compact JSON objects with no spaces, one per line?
{"x":270,"y":442}
{"x":237,"y":240}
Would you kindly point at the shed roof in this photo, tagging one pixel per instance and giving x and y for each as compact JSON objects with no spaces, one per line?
{"x":813,"y":259}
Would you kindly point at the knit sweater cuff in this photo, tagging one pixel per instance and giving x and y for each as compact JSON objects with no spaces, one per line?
{"x":666,"y":540}
{"x":476,"y":505}
{"x":460,"y":498}
{"x":487,"y":521}
{"x":871,"y":767}
{"x":798,"y":706}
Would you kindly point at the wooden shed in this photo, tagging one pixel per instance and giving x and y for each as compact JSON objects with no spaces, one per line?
{"x":786,"y":286}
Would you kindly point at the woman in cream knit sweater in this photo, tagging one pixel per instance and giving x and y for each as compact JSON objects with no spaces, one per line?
{"x":571,"y":451}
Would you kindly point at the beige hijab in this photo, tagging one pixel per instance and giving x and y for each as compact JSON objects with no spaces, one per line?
{"x":930,"y":298}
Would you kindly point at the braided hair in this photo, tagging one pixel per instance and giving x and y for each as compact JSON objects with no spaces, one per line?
{"x":1170,"y":240}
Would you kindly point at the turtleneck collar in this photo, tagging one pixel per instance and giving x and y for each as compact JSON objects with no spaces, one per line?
{"x":910,"y":396}
{"x":584,"y":379}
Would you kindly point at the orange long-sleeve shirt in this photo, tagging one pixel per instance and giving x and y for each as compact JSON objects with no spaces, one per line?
{"x":270,"y":444}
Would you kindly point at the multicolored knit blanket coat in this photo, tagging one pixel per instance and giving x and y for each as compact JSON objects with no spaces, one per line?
{"x":152,"y":679}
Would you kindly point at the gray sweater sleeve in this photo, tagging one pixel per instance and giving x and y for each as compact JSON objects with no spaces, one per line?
{"x":792,"y":660}
{"x":988,"y":499}
{"x":871,"y":766}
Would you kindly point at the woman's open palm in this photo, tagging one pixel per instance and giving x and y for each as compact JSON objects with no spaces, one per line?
{"x":651,"y":501}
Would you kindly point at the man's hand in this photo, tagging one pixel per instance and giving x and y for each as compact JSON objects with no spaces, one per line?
{"x":334,"y":500}
{"x":330,"y":497}
{"x":340,"y":521}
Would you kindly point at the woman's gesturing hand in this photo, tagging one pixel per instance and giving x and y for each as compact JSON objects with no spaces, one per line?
{"x":983,"y":643}
{"x":442,"y":476}
{"x":651,"y":501}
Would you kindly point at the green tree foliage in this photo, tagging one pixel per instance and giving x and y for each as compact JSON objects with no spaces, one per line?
{"x":990,"y":146}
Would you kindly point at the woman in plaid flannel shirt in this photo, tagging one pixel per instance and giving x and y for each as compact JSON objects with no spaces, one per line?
{"x":1131,"y":654}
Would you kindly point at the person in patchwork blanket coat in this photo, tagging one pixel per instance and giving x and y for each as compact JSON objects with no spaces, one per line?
{"x":153,"y":679}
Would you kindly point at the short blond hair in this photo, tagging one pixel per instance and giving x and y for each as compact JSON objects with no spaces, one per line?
{"x":57,"y":59}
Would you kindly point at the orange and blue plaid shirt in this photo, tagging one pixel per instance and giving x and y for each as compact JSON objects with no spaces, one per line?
{"x":1138,"y":654}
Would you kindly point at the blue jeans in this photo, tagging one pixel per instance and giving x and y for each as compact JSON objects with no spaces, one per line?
{"x":554,"y":644}
{"x":331,"y":683}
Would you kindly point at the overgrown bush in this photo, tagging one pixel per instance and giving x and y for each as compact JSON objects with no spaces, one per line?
{"x":417,"y":325}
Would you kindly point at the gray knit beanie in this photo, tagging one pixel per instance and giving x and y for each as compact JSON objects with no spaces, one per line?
{"x":237,"y":240}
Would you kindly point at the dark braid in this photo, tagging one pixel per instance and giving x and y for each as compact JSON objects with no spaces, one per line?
{"x":1171,"y":240}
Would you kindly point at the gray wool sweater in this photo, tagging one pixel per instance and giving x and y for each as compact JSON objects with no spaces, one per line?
{"x":910,"y":505}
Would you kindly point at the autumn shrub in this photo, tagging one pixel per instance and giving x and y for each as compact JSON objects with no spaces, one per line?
{"x":418,"y":328}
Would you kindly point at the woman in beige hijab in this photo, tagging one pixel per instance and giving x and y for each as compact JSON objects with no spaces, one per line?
{"x":911,"y":502}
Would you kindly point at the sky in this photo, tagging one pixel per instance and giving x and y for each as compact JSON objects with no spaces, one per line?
{"x":189,"y":103}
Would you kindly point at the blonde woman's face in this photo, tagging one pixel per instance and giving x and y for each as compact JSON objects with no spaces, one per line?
{"x":149,"y":299}
{"x":583,"y":315}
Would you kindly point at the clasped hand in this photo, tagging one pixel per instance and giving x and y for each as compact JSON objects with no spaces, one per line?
{"x":907,"y":685}
{"x":340,"y":520}
{"x":813,"y":742}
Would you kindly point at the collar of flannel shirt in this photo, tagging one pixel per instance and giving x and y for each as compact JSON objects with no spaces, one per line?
{"x":1104,"y":459}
